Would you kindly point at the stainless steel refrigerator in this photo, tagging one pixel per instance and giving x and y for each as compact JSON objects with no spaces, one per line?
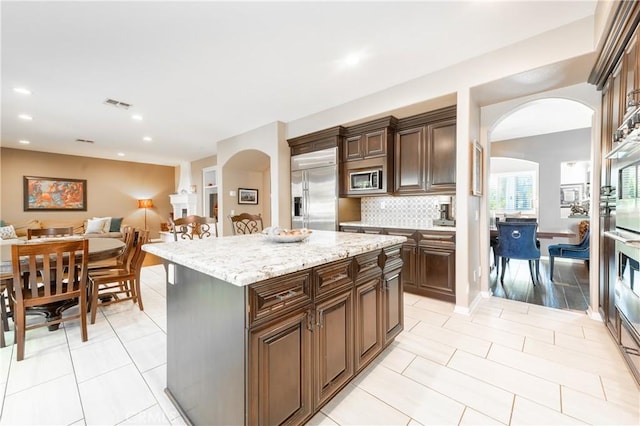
{"x":314,"y":190}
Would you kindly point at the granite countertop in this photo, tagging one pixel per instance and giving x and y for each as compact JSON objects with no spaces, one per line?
{"x":246,"y":259}
{"x":426,"y":225}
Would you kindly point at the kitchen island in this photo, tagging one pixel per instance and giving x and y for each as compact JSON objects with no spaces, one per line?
{"x":260,"y":332}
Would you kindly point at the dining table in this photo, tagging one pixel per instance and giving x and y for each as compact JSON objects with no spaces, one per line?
{"x":100,"y":249}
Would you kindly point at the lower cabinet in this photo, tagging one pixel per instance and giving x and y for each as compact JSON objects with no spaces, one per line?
{"x":437,"y":270}
{"x":333,"y":346}
{"x":280,"y":367}
{"x":299,"y":359}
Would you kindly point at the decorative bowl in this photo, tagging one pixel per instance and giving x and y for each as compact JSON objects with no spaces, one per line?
{"x":281,"y":235}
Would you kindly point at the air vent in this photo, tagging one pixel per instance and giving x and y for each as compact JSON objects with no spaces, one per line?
{"x":117,"y":104}
{"x":84,"y":140}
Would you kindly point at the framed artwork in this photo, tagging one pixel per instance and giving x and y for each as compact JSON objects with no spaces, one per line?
{"x":247,"y":196}
{"x":54,"y":194}
{"x":570,"y":194}
{"x":477,"y":154}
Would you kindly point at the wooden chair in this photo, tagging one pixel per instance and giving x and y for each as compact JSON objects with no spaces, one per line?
{"x":122,"y":260}
{"x":5,"y":286}
{"x":49,"y":232}
{"x":119,"y":284}
{"x":51,"y":258}
{"x":246,"y":223}
{"x":193,"y":226}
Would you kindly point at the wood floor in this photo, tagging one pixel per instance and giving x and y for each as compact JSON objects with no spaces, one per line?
{"x":568,"y":290}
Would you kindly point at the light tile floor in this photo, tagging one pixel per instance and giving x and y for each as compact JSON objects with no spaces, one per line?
{"x":508,"y":363}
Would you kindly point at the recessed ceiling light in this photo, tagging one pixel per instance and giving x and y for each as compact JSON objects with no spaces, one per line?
{"x":24,"y":142}
{"x":22,"y":90}
{"x":137,"y":117}
{"x":147,"y":139}
{"x":25,"y":117}
{"x":121,"y":154}
{"x":352,"y":59}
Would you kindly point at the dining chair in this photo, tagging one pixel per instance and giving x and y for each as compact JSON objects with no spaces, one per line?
{"x":117,"y":285}
{"x":569,"y":251}
{"x":517,"y":240}
{"x":5,"y":284}
{"x":49,"y":232}
{"x":246,"y":223}
{"x":51,"y":258}
{"x":120,"y":262}
{"x":193,"y":226}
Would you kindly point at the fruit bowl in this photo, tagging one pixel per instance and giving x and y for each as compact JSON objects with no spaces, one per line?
{"x":281,"y":235}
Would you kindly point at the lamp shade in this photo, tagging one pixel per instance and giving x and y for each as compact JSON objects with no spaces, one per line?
{"x":146,"y":203}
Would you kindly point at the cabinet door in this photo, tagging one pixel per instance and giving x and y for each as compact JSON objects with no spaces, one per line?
{"x":375,"y":144}
{"x":280,"y":373}
{"x":436,"y":276}
{"x":441,"y":158}
{"x":410,"y":152}
{"x":353,"y":149}
{"x":333,"y":346}
{"x":368,"y":321}
{"x":392,"y":305}
{"x":408,"y":252}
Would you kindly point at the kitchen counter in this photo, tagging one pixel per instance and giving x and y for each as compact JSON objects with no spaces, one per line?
{"x":417,"y":225}
{"x":247,"y":259}
{"x":253,"y":325}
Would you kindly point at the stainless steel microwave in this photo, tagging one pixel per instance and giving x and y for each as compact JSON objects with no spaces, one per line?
{"x":628,"y":202}
{"x":365,"y":180}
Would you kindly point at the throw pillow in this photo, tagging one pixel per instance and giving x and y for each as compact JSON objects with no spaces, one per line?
{"x":7,"y":232}
{"x":95,"y":226}
{"x":116,"y":223}
{"x":106,"y":224}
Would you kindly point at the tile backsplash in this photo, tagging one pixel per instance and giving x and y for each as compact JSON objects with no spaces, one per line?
{"x":405,"y":209}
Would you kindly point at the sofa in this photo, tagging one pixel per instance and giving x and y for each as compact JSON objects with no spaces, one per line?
{"x":90,"y":228}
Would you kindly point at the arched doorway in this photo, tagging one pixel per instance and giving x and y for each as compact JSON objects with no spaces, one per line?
{"x":550,"y":132}
{"x":246,"y":172}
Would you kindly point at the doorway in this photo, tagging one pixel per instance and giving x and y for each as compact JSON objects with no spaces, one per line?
{"x":549,"y":132}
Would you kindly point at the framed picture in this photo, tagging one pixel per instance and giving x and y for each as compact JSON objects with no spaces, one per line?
{"x":477,"y":160}
{"x":247,"y":196}
{"x":54,"y":194}
{"x":570,"y":194}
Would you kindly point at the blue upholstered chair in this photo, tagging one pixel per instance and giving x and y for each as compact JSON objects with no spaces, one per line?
{"x":570,"y":251}
{"x":517,"y":240}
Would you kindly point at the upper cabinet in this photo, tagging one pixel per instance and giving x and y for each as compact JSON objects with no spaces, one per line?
{"x":328,"y":138}
{"x":369,"y":140}
{"x":425,"y":153}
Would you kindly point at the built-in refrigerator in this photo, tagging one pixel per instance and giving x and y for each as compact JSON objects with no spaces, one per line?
{"x":314,"y":190}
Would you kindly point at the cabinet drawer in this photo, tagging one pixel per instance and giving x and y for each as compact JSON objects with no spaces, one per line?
{"x":332,"y":277}
{"x":271,"y":298}
{"x":444,"y":237}
{"x":366,"y":265}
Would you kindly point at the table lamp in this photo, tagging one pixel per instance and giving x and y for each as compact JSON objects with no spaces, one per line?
{"x":146,"y":204}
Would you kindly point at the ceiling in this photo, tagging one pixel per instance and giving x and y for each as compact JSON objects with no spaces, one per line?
{"x":200,"y":72}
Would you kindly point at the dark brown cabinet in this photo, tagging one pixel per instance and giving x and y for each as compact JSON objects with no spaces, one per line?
{"x":392,"y":305}
{"x":425,"y":153}
{"x":428,"y":262}
{"x":437,"y":267}
{"x":280,"y":364}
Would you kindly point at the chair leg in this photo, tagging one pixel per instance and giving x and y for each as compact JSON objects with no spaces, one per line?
{"x":83,"y":318}
{"x":3,"y":313}
{"x":551,"y":268}
{"x":138,"y":294}
{"x":533,"y":280}
{"x":537,"y":271}
{"x":504,"y":267}
{"x":94,"y":301}
{"x":19,"y":331}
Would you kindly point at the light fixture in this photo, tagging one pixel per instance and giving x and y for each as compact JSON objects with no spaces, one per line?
{"x":25,"y":117}
{"x":22,"y":90}
{"x":137,"y":117}
{"x":121,"y":154}
{"x":352,"y":59}
{"x":24,"y":142}
{"x":147,"y":139}
{"x":145,"y":204}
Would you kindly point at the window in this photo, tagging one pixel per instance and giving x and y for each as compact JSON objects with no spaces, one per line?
{"x":513,"y":192}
